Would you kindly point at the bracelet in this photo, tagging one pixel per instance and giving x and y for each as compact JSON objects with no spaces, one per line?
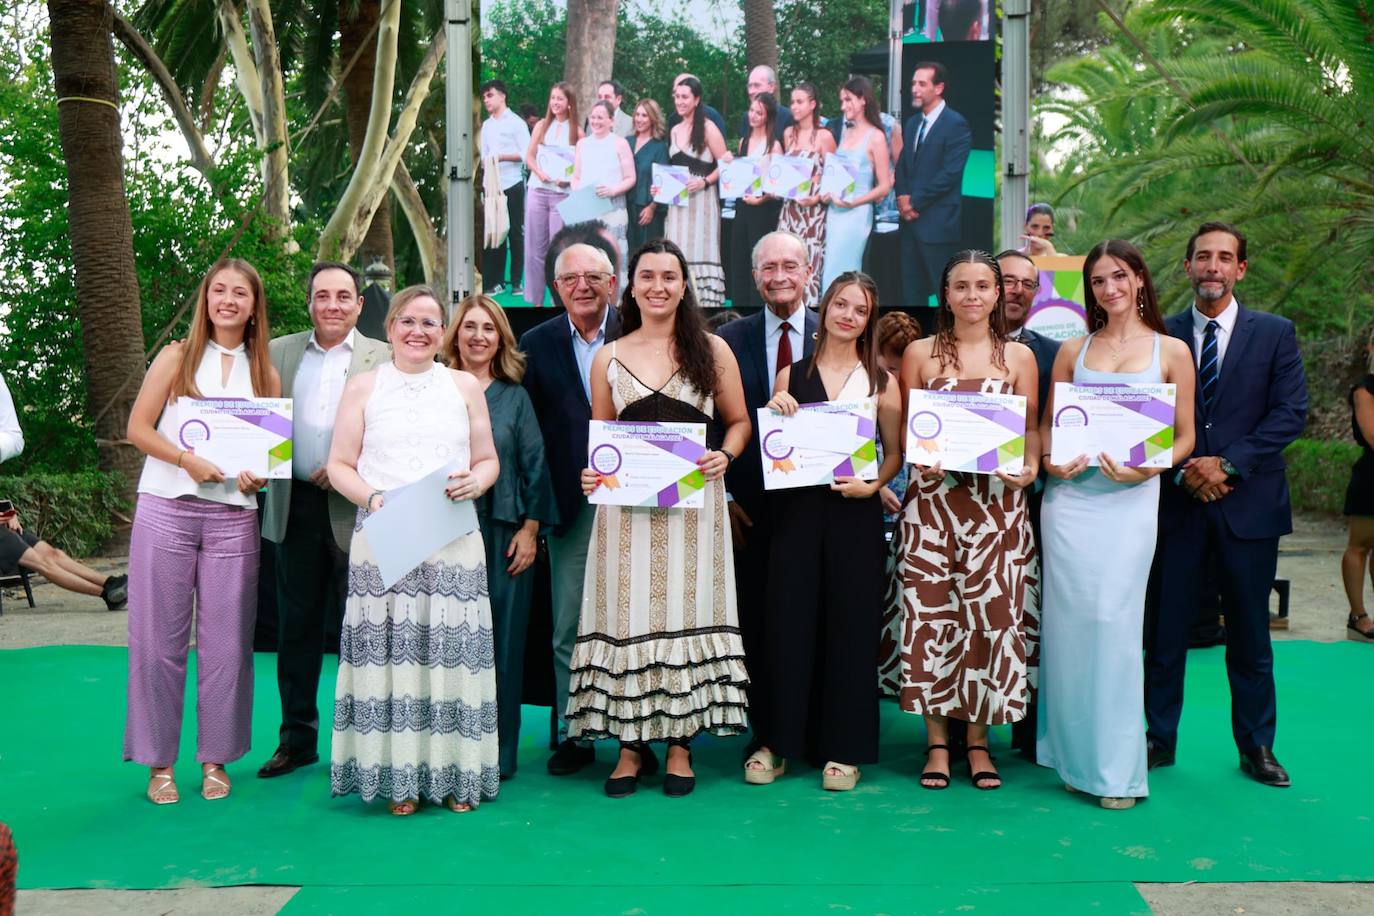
{"x":180,"y":455}
{"x":370,"y":497}
{"x":729,"y":458}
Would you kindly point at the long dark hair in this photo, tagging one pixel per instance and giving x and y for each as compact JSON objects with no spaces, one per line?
{"x":691,"y":335}
{"x":1146,"y":304}
{"x":946,"y":346}
{"x":810,"y":90}
{"x":770,"y":122}
{"x":697,"y":139}
{"x":867,"y":343}
{"x":862,"y":86}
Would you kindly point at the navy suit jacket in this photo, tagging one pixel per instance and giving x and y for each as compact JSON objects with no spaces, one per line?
{"x":745,"y":337}
{"x":933,"y":176}
{"x":1260,"y":407}
{"x":561,"y":405}
{"x":1045,"y":350}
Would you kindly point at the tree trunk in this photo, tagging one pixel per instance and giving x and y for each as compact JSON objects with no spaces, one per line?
{"x":356,"y":21}
{"x":760,"y":34}
{"x":107,"y":297}
{"x":277,"y":191}
{"x":590,"y":48}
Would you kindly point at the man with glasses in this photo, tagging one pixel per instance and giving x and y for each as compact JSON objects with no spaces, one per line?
{"x":558,"y":380}
{"x":763,"y":344}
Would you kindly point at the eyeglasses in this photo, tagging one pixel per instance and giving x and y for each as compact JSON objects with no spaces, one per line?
{"x":786,"y":267}
{"x":428,"y":325}
{"x":592,"y":277}
{"x":1029,"y":286}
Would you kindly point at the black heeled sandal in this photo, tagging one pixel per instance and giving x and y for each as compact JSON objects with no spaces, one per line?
{"x":986,"y":775}
{"x":1354,"y":632}
{"x":675,"y":786}
{"x":625,"y":786}
{"x":931,"y":774}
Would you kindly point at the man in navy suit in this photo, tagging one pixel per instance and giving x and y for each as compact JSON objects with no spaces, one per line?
{"x":1020,"y":280}
{"x":763,"y":343}
{"x":1227,"y":507}
{"x":930,"y":181}
{"x":557,"y":377}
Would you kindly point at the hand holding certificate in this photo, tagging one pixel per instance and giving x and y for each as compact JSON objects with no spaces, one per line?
{"x":819,"y":443}
{"x":671,"y":182}
{"x":238,"y":434}
{"x":966,"y":431}
{"x":647,"y":464}
{"x":741,"y":177}
{"x":788,"y":177}
{"x":555,"y":161}
{"x":415,"y":522}
{"x":839,"y":178}
{"x":1131,"y":422}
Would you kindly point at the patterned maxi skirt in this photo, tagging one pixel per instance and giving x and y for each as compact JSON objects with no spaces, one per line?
{"x":415,"y":701}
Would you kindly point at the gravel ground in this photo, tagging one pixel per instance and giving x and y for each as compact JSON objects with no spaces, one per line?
{"x":1309,"y":559}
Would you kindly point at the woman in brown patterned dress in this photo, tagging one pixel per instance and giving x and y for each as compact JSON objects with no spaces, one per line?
{"x":966,"y":568}
{"x":805,"y":216}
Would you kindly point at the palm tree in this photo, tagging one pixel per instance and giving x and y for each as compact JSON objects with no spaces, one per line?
{"x":760,"y":34}
{"x":98,"y":217}
{"x":590,"y":48}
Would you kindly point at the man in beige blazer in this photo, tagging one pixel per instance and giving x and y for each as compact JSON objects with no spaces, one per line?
{"x":310,"y":524}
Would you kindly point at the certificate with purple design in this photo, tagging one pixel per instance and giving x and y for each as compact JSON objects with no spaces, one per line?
{"x":238,"y":434}
{"x":818,"y":443}
{"x":966,"y":431}
{"x":647,"y":464}
{"x":1133,"y":422}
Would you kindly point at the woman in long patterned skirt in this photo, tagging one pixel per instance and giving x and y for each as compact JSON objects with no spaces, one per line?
{"x":695,"y":226}
{"x":965,"y":568}
{"x":658,"y":655}
{"x":805,"y":217}
{"x":415,"y":701}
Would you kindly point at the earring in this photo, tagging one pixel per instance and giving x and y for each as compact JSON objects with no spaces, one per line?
{"x":1140,"y":302}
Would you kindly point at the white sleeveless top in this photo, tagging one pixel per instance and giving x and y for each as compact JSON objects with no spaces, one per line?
{"x":556,"y":135}
{"x":169,"y":481}
{"x":412,"y":426}
{"x":600,"y":164}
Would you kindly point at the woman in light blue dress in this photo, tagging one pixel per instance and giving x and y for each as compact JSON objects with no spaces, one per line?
{"x":1098,"y":530}
{"x":848,"y":222}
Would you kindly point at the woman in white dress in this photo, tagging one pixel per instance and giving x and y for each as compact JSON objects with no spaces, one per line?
{"x":415,"y":702}
{"x":604,"y":161}
{"x":1098,"y":541}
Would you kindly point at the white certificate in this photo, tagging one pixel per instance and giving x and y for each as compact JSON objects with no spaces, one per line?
{"x":820,"y":442}
{"x":583,"y":205}
{"x":1132,"y":422}
{"x":966,"y":431}
{"x":839,"y":177}
{"x":741,"y":177}
{"x":788,"y":176}
{"x":238,"y":434}
{"x":671,"y":181}
{"x":647,"y":464}
{"x":555,"y":161}
{"x":415,"y":522}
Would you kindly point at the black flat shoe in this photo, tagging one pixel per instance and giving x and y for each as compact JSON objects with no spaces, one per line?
{"x":983,"y":776}
{"x":1157,"y":755}
{"x":570,"y":757}
{"x":931,"y":774}
{"x":115,"y":592}
{"x":1353,"y":632}
{"x":286,"y":760}
{"x":1262,"y":766}
{"x":675,"y":786}
{"x":625,"y":786}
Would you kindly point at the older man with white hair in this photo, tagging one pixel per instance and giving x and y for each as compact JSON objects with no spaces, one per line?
{"x":560,"y":353}
{"x":764,"y":78}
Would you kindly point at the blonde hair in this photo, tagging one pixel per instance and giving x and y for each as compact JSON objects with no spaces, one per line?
{"x":657,"y":125}
{"x":407,"y":296}
{"x":255,"y":335}
{"x":509,"y":363}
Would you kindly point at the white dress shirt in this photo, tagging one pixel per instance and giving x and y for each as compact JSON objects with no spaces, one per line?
{"x":506,"y":134}
{"x":930,"y":122}
{"x":772,"y":334}
{"x":316,"y":391}
{"x":584,"y":352}
{"x":11,"y":436}
{"x":1226,"y":324}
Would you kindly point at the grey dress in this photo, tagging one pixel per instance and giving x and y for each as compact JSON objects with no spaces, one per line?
{"x":523,"y":491}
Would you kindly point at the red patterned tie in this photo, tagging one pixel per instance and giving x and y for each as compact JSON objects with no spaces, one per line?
{"x":784,"y":348}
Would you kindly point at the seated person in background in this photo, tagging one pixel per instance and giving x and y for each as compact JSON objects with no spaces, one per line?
{"x":21,"y":549}
{"x":11,"y":436}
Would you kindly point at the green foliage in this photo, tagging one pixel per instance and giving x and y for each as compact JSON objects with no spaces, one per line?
{"x":76,"y":512}
{"x":1318,"y":472}
{"x":816,"y":39}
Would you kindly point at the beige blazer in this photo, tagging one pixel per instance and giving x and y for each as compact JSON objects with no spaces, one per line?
{"x":286,"y":353}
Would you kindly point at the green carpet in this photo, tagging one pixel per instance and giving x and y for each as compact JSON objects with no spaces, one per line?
{"x":80,"y":820}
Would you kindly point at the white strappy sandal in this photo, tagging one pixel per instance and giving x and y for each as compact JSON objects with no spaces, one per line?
{"x":212,"y":788}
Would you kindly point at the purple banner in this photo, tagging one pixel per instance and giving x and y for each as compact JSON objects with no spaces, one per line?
{"x":269,"y":420}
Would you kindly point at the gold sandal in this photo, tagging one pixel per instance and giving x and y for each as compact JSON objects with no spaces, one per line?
{"x":212,"y":788}
{"x":165,"y":792}
{"x":456,"y":806}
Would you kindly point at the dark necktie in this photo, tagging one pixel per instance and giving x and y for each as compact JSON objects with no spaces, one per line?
{"x":784,"y":349}
{"x":920,"y":134}
{"x":1209,"y":366}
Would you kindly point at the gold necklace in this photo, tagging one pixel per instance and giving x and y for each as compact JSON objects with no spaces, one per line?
{"x":1118,"y":349}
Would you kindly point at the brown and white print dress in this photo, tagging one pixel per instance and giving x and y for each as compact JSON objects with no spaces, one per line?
{"x":966,"y":590}
{"x":658,"y":653}
{"x":809,"y":224}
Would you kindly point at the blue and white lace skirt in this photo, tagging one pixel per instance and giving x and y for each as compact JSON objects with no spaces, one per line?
{"x":415,"y":701}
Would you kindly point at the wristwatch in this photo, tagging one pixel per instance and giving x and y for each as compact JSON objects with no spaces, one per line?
{"x":729,"y":457}
{"x":1229,"y":469}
